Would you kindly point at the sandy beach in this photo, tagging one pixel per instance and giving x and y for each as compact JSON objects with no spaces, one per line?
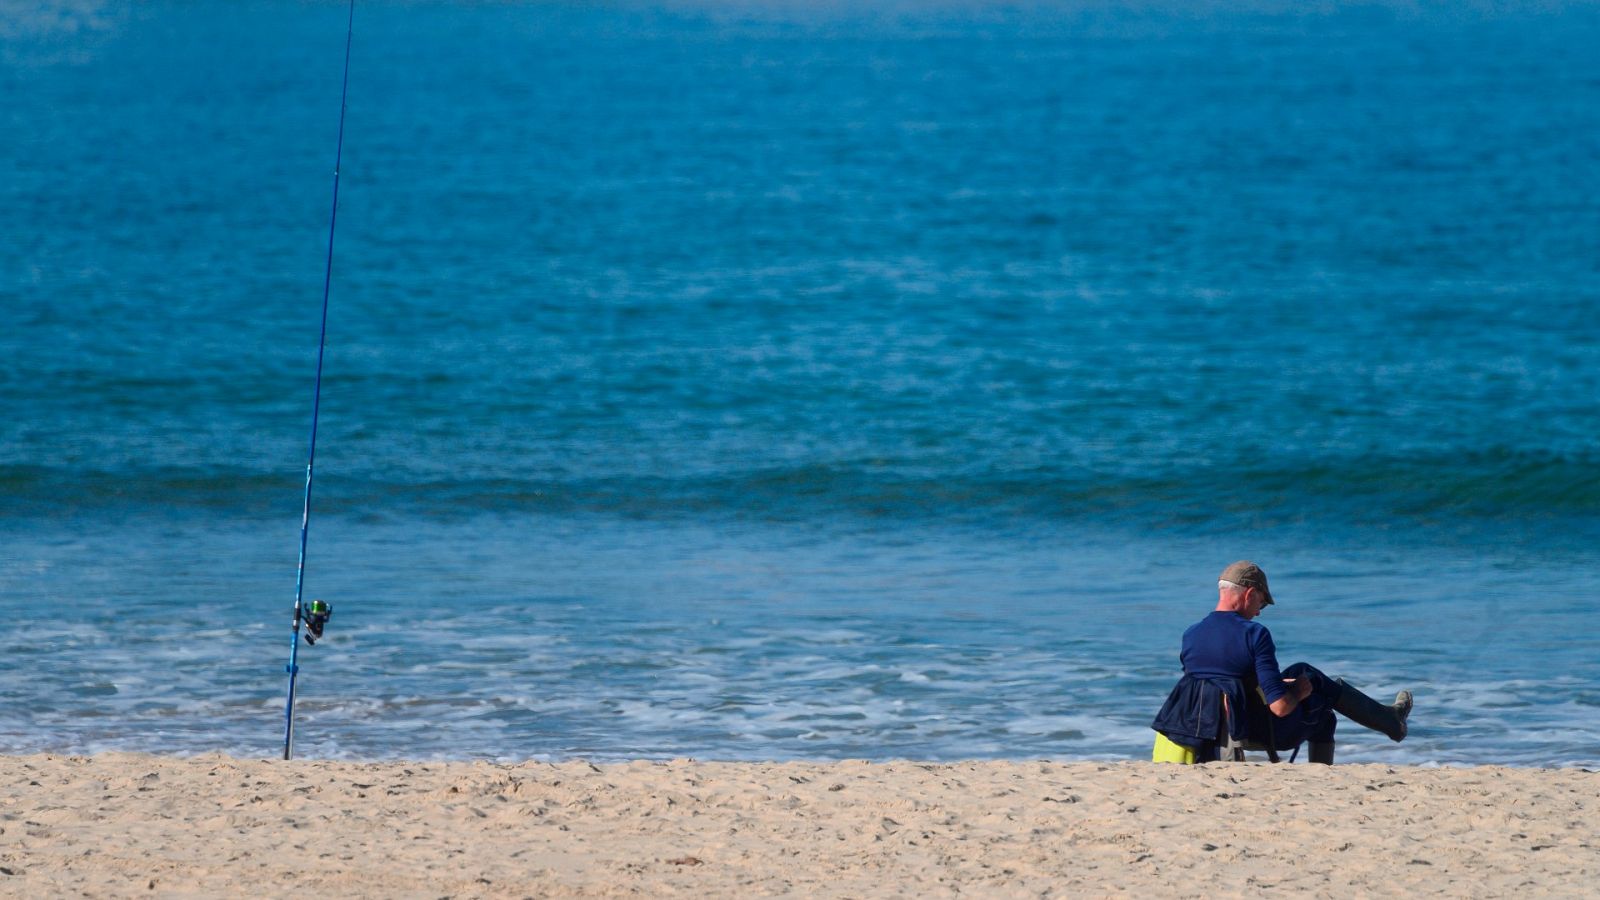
{"x":118,"y":825}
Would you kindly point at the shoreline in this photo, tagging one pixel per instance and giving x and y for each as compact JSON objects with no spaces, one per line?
{"x":121,"y":824}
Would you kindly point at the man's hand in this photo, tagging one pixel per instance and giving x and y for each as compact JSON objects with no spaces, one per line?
{"x":1300,"y":687}
{"x":1298,"y":690}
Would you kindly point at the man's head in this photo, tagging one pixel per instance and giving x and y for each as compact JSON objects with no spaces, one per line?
{"x":1242,"y":588}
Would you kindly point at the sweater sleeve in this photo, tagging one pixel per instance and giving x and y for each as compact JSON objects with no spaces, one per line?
{"x":1265,"y":653}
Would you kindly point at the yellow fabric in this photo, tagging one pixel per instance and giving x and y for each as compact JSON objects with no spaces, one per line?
{"x":1168,"y":752}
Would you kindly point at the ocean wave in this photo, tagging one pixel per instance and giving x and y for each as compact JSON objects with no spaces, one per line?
{"x":1498,"y":485}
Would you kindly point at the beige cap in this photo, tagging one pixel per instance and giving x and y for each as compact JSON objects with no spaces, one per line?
{"x":1245,"y":573}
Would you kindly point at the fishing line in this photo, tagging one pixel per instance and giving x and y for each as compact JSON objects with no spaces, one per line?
{"x":317,"y":616}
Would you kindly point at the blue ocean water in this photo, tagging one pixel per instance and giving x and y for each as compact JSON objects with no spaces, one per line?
{"x":760,"y":380}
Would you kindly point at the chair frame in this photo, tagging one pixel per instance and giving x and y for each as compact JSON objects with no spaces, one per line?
{"x":1230,"y":750}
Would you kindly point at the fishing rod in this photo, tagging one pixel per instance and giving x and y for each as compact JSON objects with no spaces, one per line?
{"x":316,"y":615}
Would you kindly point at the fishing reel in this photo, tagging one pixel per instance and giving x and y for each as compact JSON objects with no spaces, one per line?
{"x":316,"y":618}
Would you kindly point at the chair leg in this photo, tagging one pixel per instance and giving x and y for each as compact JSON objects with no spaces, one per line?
{"x":1320,"y":752}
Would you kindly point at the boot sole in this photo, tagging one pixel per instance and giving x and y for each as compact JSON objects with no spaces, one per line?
{"x":1402,"y":709}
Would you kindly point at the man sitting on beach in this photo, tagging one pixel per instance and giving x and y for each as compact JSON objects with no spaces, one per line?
{"x":1227,"y":655}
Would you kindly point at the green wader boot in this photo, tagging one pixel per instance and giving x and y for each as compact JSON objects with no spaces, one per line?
{"x":1369,"y":713}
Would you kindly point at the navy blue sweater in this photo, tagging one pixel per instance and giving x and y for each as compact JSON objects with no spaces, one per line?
{"x":1227,"y":645}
